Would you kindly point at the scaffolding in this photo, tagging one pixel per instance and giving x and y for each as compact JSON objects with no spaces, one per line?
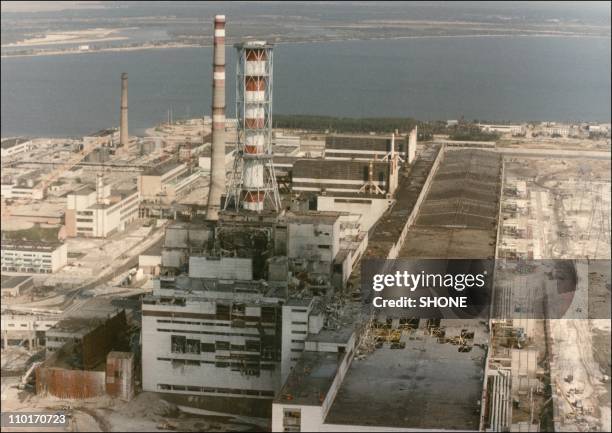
{"x":253,"y":183}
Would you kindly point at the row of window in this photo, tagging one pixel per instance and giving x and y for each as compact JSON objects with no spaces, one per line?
{"x":182,"y":344}
{"x":253,"y":392}
{"x":229,"y":334}
{"x":29,"y":270}
{"x":255,"y":367}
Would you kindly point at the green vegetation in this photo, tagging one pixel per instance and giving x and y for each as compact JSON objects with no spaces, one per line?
{"x":35,"y":233}
{"x":383,"y":125}
{"x":471,"y":132}
{"x":345,"y":124}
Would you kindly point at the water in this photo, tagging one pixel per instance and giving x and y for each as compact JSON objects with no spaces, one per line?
{"x":493,"y":78}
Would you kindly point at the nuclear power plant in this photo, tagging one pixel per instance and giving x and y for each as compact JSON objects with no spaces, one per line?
{"x":212,"y":272}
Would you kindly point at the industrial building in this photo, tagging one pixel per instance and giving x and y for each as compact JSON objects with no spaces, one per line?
{"x":504,"y":129}
{"x":31,"y":328}
{"x":100,"y":211}
{"x":212,"y":337}
{"x":166,"y":182}
{"x":369,"y":147}
{"x":392,"y":388}
{"x":15,"y":146}
{"x":33,"y":257}
{"x":102,"y":138}
{"x":15,"y":286}
{"x":25,"y":186}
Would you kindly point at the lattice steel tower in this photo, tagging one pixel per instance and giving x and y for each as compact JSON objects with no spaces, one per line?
{"x":253,"y":182}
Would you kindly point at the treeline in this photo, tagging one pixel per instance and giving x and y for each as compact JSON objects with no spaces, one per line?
{"x":382,"y":125}
{"x":345,"y":124}
{"x":470,"y":132}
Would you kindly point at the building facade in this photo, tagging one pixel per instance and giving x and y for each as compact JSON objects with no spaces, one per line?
{"x":211,"y":337}
{"x":100,"y":212}
{"x":33,"y":257}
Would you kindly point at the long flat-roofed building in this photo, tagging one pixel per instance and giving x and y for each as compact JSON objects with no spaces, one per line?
{"x":357,"y":187}
{"x":363,"y":147}
{"x":428,"y":385}
{"x":33,"y":257}
{"x":343,"y":178}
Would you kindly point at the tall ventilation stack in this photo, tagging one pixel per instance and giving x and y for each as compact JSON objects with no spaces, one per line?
{"x":123,"y":125}
{"x":217,"y":160}
{"x":412,"y":145}
{"x":253,"y":182}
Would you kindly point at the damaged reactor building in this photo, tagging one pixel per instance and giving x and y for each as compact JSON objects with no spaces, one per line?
{"x":256,"y":306}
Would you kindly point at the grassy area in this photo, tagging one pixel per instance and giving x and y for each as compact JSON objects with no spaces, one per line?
{"x":36,"y":233}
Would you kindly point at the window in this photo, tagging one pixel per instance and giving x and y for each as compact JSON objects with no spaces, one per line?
{"x":207,"y":347}
{"x":222,"y":345}
{"x":292,"y":420}
{"x":223,"y":312}
{"x":193,"y":346}
{"x":299,"y":323}
{"x":178,"y":344}
{"x":251,"y":346}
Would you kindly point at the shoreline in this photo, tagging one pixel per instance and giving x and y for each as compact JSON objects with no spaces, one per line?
{"x":313,"y":41}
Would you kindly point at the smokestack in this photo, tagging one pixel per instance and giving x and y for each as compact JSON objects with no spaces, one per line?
{"x":217,"y":161}
{"x":123,"y":126}
{"x":99,"y":188}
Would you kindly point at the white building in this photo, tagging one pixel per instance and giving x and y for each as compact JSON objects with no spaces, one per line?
{"x":14,"y":146}
{"x":18,"y":327}
{"x":100,"y":212}
{"x":207,"y":337}
{"x":504,"y":129}
{"x":10,"y":190}
{"x":552,"y":128}
{"x":33,"y":257}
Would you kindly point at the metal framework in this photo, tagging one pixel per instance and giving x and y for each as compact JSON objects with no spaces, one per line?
{"x":253,"y":182}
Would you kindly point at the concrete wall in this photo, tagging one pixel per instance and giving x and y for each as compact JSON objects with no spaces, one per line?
{"x":308,"y":240}
{"x":162,"y":366}
{"x":230,"y":268}
{"x":395,"y":249}
{"x":294,"y":332}
{"x":312,"y":417}
{"x":369,"y":209}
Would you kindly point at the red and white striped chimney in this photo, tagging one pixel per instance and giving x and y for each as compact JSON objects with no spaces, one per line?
{"x":217,"y":163}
